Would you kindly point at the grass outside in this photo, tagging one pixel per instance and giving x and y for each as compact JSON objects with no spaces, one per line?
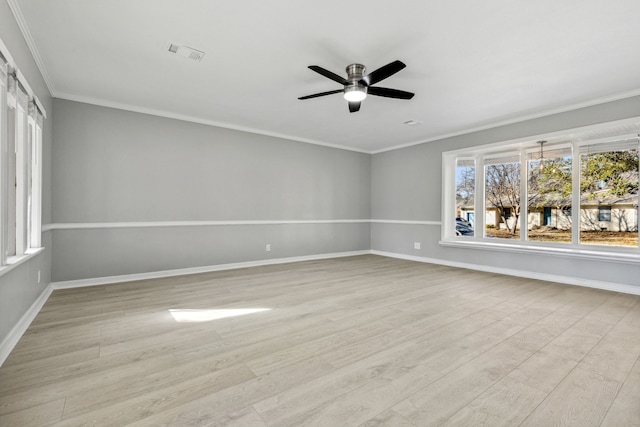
{"x":546,"y":234}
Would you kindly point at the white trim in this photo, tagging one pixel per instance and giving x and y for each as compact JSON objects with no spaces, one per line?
{"x":409,"y":222}
{"x":26,"y":33}
{"x":507,"y":145}
{"x":196,"y":270}
{"x":546,"y":113}
{"x":597,"y":284}
{"x":199,"y":120}
{"x":9,"y":342}
{"x":147,"y":224}
{"x":170,"y":115}
{"x":573,"y":252}
{"x":13,"y":262}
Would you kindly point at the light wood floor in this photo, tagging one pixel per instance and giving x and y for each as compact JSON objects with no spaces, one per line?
{"x":354,"y":341}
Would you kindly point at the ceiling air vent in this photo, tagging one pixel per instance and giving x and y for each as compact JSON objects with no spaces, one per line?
{"x":186,"y":52}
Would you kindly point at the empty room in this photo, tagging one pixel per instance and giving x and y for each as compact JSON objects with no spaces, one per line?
{"x":291,"y":213}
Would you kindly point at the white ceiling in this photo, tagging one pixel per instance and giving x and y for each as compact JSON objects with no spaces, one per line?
{"x":471,"y":64}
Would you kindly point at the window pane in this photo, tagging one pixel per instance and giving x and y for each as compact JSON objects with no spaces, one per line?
{"x":549,"y":195}
{"x":609,"y":194}
{"x":11,"y":184}
{"x":465,"y":197}
{"x":502,"y":199}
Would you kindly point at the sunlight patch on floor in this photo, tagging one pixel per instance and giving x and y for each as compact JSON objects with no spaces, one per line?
{"x":206,"y":315}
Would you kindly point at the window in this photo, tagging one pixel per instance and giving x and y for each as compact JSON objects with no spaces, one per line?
{"x":549,"y":192}
{"x":21,"y":121}
{"x":35,"y":177}
{"x":531,"y":189}
{"x":609,"y":193}
{"x":465,"y":195}
{"x":502,"y":196}
{"x":604,"y":213}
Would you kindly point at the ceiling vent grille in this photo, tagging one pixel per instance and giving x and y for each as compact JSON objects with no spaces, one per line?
{"x":186,"y":52}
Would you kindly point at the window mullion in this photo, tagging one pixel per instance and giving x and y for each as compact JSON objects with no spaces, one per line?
{"x":479,"y":204}
{"x":22,"y":167}
{"x":638,"y":202}
{"x":524,"y":196}
{"x":576,"y":167}
{"x":3,"y":162}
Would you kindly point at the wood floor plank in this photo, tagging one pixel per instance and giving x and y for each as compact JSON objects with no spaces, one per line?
{"x":506,"y":403}
{"x":440,"y":400}
{"x":215,"y":408}
{"x":625,"y":410}
{"x":388,"y":418}
{"x":614,"y":356}
{"x":581,"y":399}
{"x":39,"y":415}
{"x":363,"y":340}
{"x":156,"y":397}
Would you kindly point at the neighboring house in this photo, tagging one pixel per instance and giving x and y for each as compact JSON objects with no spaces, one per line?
{"x":610,"y":213}
{"x":598,"y":212}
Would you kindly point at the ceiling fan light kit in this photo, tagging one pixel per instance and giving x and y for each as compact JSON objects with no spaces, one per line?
{"x":355,"y":93}
{"x":357,"y":85}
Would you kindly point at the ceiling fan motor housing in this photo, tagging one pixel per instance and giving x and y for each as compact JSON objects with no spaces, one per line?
{"x":355,"y":72}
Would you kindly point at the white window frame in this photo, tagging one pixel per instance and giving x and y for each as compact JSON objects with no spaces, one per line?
{"x":22,"y":171}
{"x":35,"y":173}
{"x":27,"y":146}
{"x":576,"y":138}
{"x":3,"y":161}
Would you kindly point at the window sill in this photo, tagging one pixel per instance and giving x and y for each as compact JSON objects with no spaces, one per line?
{"x":622,"y":255}
{"x":13,"y":262}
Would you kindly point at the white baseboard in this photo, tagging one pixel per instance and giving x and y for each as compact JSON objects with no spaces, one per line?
{"x":195,"y":270}
{"x":567,"y":280}
{"x":12,"y":338}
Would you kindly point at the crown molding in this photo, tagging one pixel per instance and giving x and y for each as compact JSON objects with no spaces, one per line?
{"x":198,"y":120}
{"x":545,"y":113}
{"x":14,"y":5}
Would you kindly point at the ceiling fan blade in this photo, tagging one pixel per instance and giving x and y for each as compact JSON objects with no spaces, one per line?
{"x":389,"y":93}
{"x":328,"y":74}
{"x":354,"y":106}
{"x":315,"y":95}
{"x":382,"y":73}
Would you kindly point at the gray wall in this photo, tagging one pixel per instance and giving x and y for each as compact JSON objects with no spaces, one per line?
{"x":407,"y":185}
{"x":112,"y":166}
{"x":19,"y":288}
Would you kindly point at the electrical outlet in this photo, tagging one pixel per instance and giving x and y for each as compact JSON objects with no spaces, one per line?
{"x":268,"y":247}
{"x":416,"y":245}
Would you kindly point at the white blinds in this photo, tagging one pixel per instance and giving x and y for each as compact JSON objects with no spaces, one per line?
{"x":623,"y":144}
{"x":465,"y":163}
{"x":549,"y":153}
{"x":502,"y":158}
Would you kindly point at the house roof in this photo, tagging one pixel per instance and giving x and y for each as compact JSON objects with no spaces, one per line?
{"x":472,"y":65}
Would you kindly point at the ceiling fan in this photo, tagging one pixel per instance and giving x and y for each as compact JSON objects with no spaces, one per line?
{"x":357,"y":86}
